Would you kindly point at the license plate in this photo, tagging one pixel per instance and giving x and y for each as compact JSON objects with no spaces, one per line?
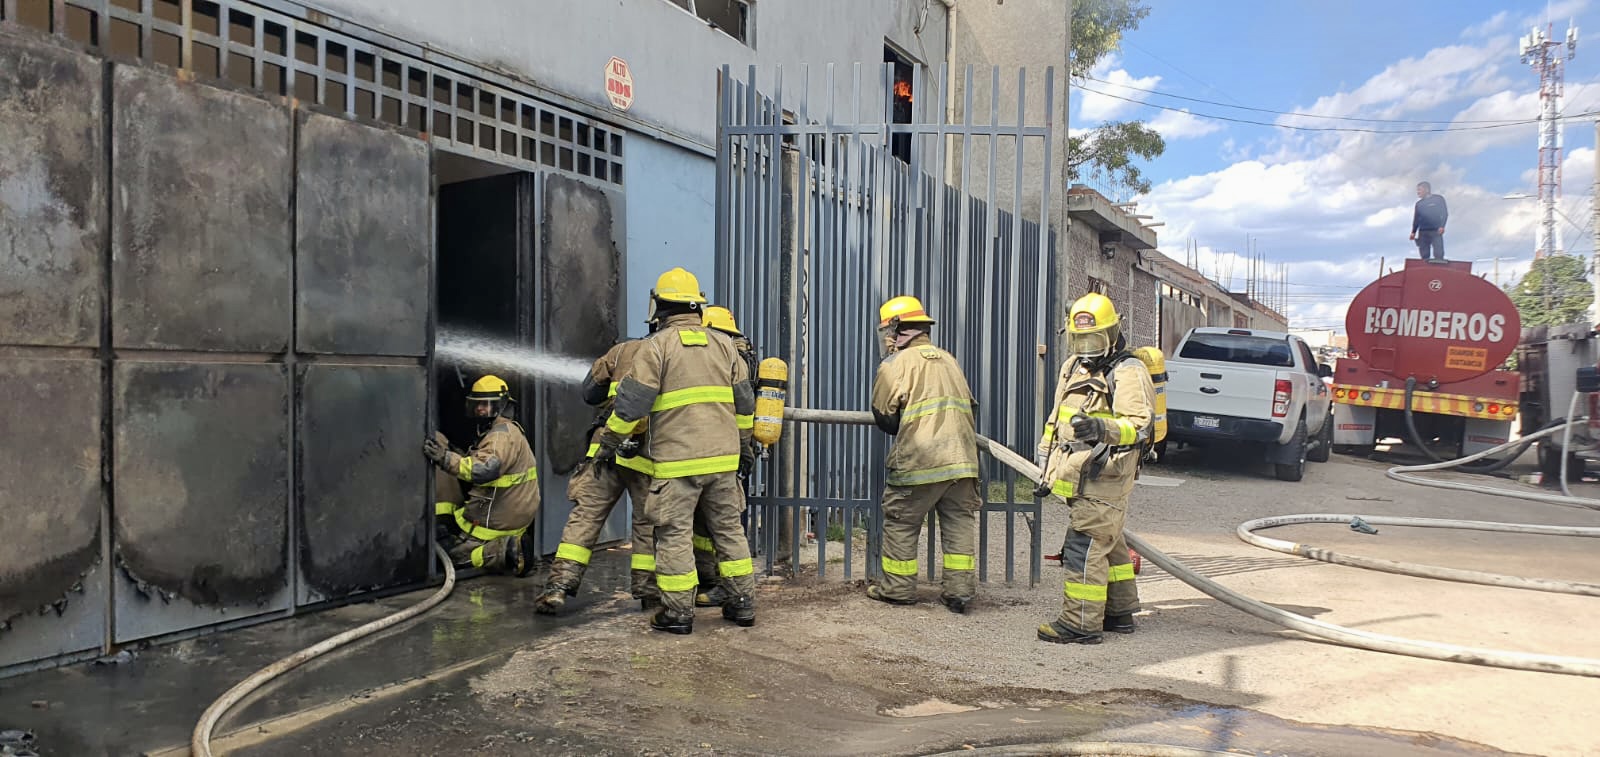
{"x":1206,"y":421}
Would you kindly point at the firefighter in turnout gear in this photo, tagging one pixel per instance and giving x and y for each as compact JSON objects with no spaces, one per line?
{"x":921,"y":397}
{"x":711,"y":593}
{"x":692,"y":387}
{"x":1098,"y":430}
{"x":596,"y":489}
{"x":486,"y":528}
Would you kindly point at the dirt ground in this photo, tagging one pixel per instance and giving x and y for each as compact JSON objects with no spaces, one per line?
{"x":826,"y":671}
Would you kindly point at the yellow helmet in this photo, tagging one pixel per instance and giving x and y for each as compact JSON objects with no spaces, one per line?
{"x":678,"y":285}
{"x":491,"y":389}
{"x":1093,"y":326}
{"x":902,"y":309}
{"x":721,"y":319}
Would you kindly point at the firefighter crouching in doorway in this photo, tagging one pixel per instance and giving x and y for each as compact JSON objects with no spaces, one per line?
{"x":921,"y":397}
{"x":486,"y":528}
{"x":692,"y":387}
{"x":711,"y":592}
{"x":595,"y":489}
{"x":1095,"y":437}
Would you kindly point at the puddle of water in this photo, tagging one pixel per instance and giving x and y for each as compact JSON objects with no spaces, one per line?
{"x":928,"y":708}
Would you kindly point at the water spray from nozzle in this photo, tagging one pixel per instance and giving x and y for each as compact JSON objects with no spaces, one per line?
{"x":502,"y":355}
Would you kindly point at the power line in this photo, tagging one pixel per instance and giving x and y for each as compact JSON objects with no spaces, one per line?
{"x":1293,"y":113}
{"x":1327,"y":128}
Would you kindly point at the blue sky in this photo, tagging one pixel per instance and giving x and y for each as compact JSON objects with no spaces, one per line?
{"x":1333,"y":204}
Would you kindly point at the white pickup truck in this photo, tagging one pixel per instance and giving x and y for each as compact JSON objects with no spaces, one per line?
{"x":1242,"y":386}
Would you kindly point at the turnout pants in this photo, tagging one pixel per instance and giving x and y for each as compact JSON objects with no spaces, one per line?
{"x":1099,"y":570}
{"x":595,"y":491}
{"x":670,"y":507}
{"x":464,"y":550}
{"x":904,"y":510}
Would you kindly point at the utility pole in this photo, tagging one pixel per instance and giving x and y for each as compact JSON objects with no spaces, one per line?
{"x":1544,"y":54}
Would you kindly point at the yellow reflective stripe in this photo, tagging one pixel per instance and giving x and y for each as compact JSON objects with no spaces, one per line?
{"x":573,"y":552}
{"x":531,"y":474}
{"x":692,"y":338}
{"x":477,"y":557}
{"x":621,"y":426}
{"x":464,"y":469}
{"x":736,"y":568}
{"x":900,"y":567}
{"x":444,"y":508}
{"x":704,"y":544}
{"x":638,"y":463}
{"x":1086,"y":592}
{"x":643,"y":562}
{"x":611,"y":391}
{"x":960,"y":562}
{"x":679,"y":582}
{"x":1064,"y":489}
{"x":745,"y":422}
{"x":694,"y":395}
{"x":699,"y":466}
{"x":1123,"y":572}
{"x":932,"y":475}
{"x":935,"y":405}
{"x":1049,"y":434}
{"x":1130,"y":432}
{"x":593,"y":450}
{"x":482,"y":532}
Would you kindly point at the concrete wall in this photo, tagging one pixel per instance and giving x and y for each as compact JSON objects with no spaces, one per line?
{"x":564,"y":45}
{"x":1134,"y":291}
{"x":671,"y":204}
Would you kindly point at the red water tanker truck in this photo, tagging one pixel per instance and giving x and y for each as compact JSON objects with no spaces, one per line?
{"x":1426,"y":348}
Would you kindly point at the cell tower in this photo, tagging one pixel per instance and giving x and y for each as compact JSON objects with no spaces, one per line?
{"x":1544,"y":54}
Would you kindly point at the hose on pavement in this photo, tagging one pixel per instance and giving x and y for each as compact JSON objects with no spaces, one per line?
{"x":1351,"y":637}
{"x":1405,"y":472}
{"x":200,"y":741}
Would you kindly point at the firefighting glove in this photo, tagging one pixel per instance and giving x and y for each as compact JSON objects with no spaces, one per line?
{"x":1042,"y":488}
{"x":629,"y":447}
{"x":1085,"y":429}
{"x":434,"y":451}
{"x":607,"y":454}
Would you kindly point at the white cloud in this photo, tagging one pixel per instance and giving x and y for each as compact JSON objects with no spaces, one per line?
{"x":1092,"y":107}
{"x":1175,"y":124}
{"x":1495,"y":24}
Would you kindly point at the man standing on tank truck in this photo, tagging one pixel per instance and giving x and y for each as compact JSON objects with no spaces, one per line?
{"x":1099,"y":427}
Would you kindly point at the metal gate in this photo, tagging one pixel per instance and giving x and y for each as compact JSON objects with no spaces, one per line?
{"x":825,"y":212}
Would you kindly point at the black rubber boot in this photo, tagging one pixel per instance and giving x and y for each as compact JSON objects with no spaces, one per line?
{"x":716,"y":596}
{"x":875,"y":591}
{"x":517,"y":562}
{"x":740,"y":610}
{"x":1119,"y":624}
{"x":649,"y":604}
{"x":673,"y":621}
{"x":957,"y":605}
{"x":1056,"y":633}
{"x":554,"y":597}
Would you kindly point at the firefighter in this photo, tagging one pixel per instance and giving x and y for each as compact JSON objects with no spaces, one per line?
{"x":486,"y":529}
{"x":711,"y":593}
{"x":595,"y":490}
{"x":1098,"y":430}
{"x":692,"y":387}
{"x":921,"y":397}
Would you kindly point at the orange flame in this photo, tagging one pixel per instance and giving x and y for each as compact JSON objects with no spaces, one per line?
{"x":902,"y":90}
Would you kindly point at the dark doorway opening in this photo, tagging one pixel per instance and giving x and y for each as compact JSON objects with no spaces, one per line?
{"x":900,"y":101}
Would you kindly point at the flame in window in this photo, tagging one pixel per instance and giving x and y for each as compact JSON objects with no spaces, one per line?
{"x":902,"y":90}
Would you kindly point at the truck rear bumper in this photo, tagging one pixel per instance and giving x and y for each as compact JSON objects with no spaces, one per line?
{"x":1181,"y":425}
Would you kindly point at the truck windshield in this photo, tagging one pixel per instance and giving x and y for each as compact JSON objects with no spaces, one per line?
{"x":1237,"y":348}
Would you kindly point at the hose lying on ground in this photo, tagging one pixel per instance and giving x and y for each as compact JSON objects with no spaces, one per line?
{"x":1089,"y":749}
{"x":1403,"y":473}
{"x":200,"y":742}
{"x":1247,"y":529}
{"x":1416,"y":439}
{"x":1310,"y":626}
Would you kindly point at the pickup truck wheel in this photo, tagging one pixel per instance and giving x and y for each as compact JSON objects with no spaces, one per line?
{"x":1324,"y":444}
{"x":1296,"y":470}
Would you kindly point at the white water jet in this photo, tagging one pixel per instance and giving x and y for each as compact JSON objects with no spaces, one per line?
{"x":478,"y":351}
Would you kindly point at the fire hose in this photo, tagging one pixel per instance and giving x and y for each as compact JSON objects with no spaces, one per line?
{"x":1351,"y":637}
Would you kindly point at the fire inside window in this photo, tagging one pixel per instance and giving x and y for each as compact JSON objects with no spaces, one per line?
{"x":899,"y":102}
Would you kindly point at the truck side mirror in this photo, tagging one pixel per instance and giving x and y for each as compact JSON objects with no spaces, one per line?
{"x":1324,"y":371}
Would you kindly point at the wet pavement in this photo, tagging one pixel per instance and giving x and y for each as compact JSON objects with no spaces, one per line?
{"x":481,"y":673}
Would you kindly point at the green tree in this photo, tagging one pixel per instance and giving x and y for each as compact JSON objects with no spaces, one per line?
{"x":1554,"y":292}
{"x":1097,"y":29}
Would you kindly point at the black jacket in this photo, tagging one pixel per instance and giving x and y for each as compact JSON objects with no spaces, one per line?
{"x":1430,"y":214}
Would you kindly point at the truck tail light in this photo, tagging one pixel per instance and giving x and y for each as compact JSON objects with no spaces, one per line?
{"x":1280,"y":398}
